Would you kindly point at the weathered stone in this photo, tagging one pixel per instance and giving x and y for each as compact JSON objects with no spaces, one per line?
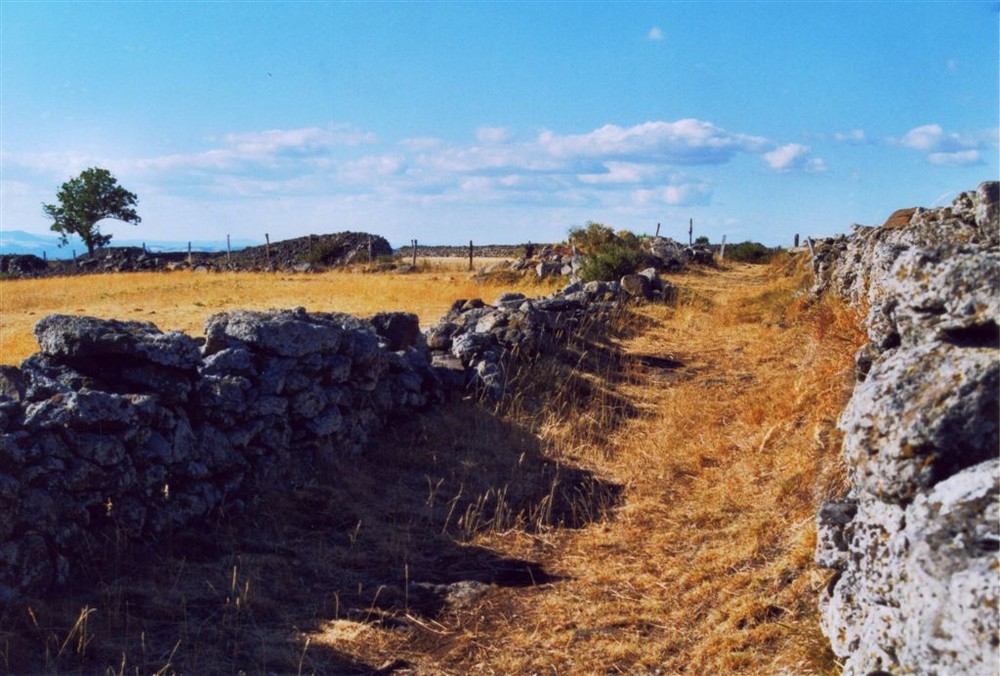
{"x":947,"y":296}
{"x":12,"y":383}
{"x":491,"y":321}
{"x":83,"y":410}
{"x":102,"y":449}
{"x":399,"y":329}
{"x":285,"y":333}
{"x":468,"y":346}
{"x":947,"y":399}
{"x":439,"y":336}
{"x":669,"y":254}
{"x":832,"y":545}
{"x":510,"y":300}
{"x":917,"y":541}
{"x":636,"y":286}
{"x":85,"y":341}
{"x":230,"y":361}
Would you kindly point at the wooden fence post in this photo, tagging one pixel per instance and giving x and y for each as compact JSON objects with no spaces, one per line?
{"x":796,"y":240}
{"x":189,"y":253}
{"x":691,"y":232}
{"x":267,"y":248}
{"x":229,"y":251}
{"x":470,"y":255}
{"x":414,"y":253}
{"x":722,"y":251}
{"x":657,"y":230}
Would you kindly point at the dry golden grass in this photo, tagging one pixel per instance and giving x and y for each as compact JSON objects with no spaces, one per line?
{"x":644,"y":505}
{"x":707,"y":567}
{"x":183,"y":300}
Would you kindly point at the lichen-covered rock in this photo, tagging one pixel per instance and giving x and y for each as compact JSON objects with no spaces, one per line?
{"x":668,"y":253}
{"x":954,"y":533}
{"x":285,"y":333}
{"x":82,"y":341}
{"x":122,"y":357}
{"x":920,"y":416}
{"x":400,"y":330}
{"x":916,"y":542}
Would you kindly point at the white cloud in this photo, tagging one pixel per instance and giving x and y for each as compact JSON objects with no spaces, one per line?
{"x":793,"y":157}
{"x":492,"y":134}
{"x":617,"y":173}
{"x":852,"y":137}
{"x":931,"y":137}
{"x":371,"y":167}
{"x":683,"y":192}
{"x":959,"y":158}
{"x":421,"y":143}
{"x":687,"y":141}
{"x":305,"y":140}
{"x":655,"y":33}
{"x":947,"y":148}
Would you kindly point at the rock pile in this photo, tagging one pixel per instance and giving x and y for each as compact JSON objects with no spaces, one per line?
{"x":916,"y":540}
{"x":483,"y":341}
{"x":478,"y":251}
{"x":670,"y":255}
{"x":342,"y":248}
{"x":301,"y":254}
{"x":22,"y":265}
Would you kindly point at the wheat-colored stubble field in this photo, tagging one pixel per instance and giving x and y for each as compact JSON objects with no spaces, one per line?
{"x":182,"y":300}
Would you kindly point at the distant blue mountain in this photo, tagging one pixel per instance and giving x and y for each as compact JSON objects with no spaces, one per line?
{"x":45,"y":246}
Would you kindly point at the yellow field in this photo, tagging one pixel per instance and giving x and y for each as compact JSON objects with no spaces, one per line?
{"x":645,"y":506}
{"x":183,"y":300}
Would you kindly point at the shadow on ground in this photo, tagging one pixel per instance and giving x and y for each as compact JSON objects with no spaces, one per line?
{"x":380,"y":538}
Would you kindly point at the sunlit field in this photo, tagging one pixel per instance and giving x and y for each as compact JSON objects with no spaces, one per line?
{"x":182,"y":300}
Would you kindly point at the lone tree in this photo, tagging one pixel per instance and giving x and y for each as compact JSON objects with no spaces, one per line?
{"x":83,"y":201}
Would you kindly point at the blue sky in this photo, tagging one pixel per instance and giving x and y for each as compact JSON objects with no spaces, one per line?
{"x":498,"y":122}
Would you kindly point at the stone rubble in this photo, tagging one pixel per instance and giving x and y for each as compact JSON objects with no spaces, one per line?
{"x":916,"y":541}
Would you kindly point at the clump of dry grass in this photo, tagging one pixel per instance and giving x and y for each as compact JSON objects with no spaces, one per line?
{"x":644,"y":503}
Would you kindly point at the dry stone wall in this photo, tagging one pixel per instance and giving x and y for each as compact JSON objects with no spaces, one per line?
{"x":916,"y":541}
{"x":115,"y":428}
{"x":119,"y":426}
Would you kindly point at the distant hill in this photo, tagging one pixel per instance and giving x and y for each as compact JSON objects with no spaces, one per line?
{"x":45,"y":246}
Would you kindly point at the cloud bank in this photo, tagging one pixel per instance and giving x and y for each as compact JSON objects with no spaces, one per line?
{"x":947,"y":148}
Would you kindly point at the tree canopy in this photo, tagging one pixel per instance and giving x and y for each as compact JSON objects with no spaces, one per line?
{"x":91,"y":197}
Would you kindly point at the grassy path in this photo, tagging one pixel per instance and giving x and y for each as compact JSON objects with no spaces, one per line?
{"x":707,"y":566}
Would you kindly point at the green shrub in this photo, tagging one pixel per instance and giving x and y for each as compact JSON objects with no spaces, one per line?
{"x":750,"y":252}
{"x":324,"y":253}
{"x":592,"y":237}
{"x":613,"y":261}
